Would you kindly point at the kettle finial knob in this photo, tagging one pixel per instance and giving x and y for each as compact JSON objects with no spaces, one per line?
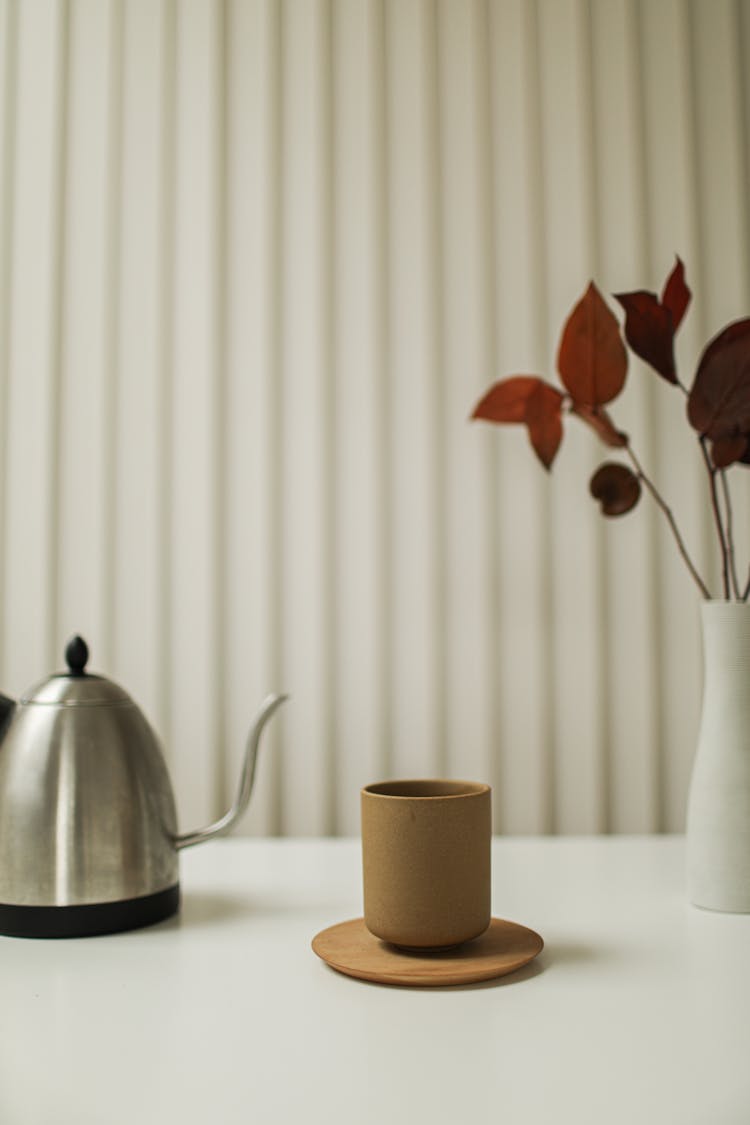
{"x":76,"y":656}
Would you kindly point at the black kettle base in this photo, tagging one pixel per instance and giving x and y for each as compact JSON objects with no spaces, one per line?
{"x":90,"y":918}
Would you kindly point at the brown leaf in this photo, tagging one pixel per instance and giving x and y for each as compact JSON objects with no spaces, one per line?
{"x":600,"y":421}
{"x":544,"y":421}
{"x":725,"y":451}
{"x":719,"y":402}
{"x":649,"y":331}
{"x":506,"y":400}
{"x":592,"y":360}
{"x":616,"y":488}
{"x":527,"y":399}
{"x":676,"y":295}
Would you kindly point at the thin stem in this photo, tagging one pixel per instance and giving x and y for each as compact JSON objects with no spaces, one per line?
{"x":726,"y":538}
{"x":671,"y":521}
{"x":717,"y":516}
{"x":746,"y":591}
{"x":729,"y":533}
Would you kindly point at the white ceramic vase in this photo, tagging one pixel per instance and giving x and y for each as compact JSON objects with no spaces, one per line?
{"x":718,"y":816}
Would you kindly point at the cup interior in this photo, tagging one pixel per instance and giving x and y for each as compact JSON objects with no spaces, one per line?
{"x":427,"y":788}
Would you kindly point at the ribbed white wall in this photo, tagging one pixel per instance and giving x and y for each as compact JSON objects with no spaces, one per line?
{"x":258,"y":259}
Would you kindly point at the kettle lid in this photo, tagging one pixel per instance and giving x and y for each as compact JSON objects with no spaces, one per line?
{"x":76,"y":687}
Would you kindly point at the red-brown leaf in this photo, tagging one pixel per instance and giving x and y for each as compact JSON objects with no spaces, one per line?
{"x":528,"y":399}
{"x":649,"y":331}
{"x":592,"y":360}
{"x":725,"y":451}
{"x":506,"y":400}
{"x":544,"y":421}
{"x":616,"y":488}
{"x":719,"y":402}
{"x":676,"y":295}
{"x":600,"y":421}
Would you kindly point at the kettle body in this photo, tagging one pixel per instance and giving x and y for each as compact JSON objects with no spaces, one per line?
{"x":88,"y":825}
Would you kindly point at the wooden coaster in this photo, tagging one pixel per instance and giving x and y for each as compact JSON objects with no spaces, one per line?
{"x":350,"y":948}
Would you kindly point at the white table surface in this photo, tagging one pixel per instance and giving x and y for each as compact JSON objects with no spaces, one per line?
{"x":637,"y":1011}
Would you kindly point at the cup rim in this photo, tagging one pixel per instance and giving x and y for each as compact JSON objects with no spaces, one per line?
{"x":408,"y":789}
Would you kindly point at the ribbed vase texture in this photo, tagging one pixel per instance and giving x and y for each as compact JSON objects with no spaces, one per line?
{"x":718,"y":818}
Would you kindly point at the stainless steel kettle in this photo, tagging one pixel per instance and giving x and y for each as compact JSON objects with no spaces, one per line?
{"x":88,"y":829}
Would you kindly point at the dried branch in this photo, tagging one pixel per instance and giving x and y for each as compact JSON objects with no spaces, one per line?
{"x":671,"y":521}
{"x":729,"y":523}
{"x":717,"y":516}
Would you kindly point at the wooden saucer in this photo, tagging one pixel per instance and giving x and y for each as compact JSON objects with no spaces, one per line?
{"x":350,"y":948}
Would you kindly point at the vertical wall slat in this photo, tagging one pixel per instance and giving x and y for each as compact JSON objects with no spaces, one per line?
{"x":305,"y":417}
{"x":110,"y":331}
{"x":33,"y":330}
{"x":137,"y":601}
{"x":8,"y":71}
{"x":361,"y":534}
{"x":576,"y":537}
{"x":723,"y":216}
{"x":677,"y":468}
{"x":740,"y":52}
{"x":467,"y":370}
{"x":723,"y":220}
{"x":525,"y":770}
{"x":219,"y":529}
{"x":165,"y":343}
{"x":253,"y":425}
{"x":632,"y":701}
{"x":194,"y":579}
{"x":86,"y":295}
{"x":414,"y":393}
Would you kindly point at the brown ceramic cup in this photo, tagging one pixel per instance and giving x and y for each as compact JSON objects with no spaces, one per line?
{"x":426,"y":861}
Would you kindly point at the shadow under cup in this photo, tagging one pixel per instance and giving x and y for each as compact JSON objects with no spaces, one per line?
{"x":426,"y":861}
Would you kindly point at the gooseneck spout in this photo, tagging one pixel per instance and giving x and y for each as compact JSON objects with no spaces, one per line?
{"x":226,"y":823}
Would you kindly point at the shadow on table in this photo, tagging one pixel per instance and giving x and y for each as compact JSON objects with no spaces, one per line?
{"x":552,"y":956}
{"x":202,"y":908}
{"x":567,"y":953}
